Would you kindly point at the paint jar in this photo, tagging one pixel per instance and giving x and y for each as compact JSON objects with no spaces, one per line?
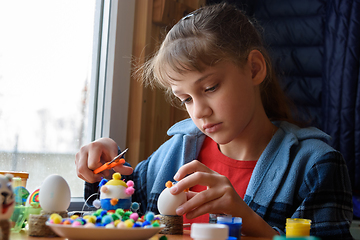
{"x":234,"y":224}
{"x":297,"y":227}
{"x":209,"y":231}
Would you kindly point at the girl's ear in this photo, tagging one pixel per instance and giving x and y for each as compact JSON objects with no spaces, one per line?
{"x":258,"y":66}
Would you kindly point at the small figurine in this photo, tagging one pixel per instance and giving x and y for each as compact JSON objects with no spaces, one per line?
{"x":115,"y":193}
{"x":7,"y":205}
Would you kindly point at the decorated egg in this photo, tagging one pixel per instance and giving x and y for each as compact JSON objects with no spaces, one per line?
{"x":115,"y":193}
{"x":168,"y":203}
{"x":54,"y":194}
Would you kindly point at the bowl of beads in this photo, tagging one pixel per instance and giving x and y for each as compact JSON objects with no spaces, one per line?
{"x":106,"y":225}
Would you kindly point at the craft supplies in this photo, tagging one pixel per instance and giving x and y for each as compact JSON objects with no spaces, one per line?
{"x":173,"y":224}
{"x":54,"y":195}
{"x":234,"y":224}
{"x":38,"y":227}
{"x":209,"y":231}
{"x":167,"y":204}
{"x":108,"y":218}
{"x":116,"y":193}
{"x":297,"y":227}
{"x":116,"y":161}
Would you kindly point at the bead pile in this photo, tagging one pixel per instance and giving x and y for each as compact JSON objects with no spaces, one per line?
{"x":109,"y":219}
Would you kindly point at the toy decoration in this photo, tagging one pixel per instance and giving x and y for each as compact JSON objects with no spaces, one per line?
{"x":7,"y":205}
{"x":33,"y":199}
{"x":115,"y":193}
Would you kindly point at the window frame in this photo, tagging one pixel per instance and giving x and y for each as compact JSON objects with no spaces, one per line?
{"x":110,"y":74}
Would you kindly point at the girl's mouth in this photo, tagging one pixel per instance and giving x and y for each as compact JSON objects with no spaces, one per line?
{"x":211,"y":128}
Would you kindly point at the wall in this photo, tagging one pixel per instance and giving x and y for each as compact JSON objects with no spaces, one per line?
{"x":149,"y":114}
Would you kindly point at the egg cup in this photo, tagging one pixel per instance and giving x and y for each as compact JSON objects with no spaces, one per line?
{"x":173,"y":224}
{"x":38,"y":227}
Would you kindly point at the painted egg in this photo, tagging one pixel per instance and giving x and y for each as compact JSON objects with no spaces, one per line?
{"x":54,"y":194}
{"x":168,"y":203}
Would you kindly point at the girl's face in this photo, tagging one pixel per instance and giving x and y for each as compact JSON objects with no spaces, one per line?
{"x":222,"y":101}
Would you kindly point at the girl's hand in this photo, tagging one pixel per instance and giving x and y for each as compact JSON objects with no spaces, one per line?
{"x":94,"y":155}
{"x":219,"y":197}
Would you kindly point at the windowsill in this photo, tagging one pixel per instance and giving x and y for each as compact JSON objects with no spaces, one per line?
{"x":77,"y":204}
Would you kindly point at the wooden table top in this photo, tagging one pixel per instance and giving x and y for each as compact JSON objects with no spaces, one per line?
{"x":186,"y":236}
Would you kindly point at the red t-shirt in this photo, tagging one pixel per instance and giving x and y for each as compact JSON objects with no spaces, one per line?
{"x":238,"y":172}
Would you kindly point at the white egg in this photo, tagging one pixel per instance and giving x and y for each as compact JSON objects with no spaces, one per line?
{"x":168,"y":203}
{"x":54,"y":194}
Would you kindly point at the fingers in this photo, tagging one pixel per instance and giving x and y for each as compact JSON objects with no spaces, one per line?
{"x":219,"y":197}
{"x":209,"y":200}
{"x":212,"y":200}
{"x":125,"y":170}
{"x":191,"y":167}
{"x":94,"y":155}
{"x":85,"y":164}
{"x":196,"y":172}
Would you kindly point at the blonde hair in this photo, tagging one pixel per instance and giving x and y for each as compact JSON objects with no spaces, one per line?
{"x":207,"y":36}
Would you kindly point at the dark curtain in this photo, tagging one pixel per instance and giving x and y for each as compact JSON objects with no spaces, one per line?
{"x":315,"y":45}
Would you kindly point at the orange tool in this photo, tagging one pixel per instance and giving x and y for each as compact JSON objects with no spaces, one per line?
{"x":116,"y":161}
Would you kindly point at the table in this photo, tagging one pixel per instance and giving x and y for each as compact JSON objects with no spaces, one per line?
{"x":23,"y":236}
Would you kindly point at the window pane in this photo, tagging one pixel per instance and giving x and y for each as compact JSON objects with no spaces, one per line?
{"x":45,"y":61}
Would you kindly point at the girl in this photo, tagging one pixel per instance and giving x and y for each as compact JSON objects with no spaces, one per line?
{"x":251,"y":161}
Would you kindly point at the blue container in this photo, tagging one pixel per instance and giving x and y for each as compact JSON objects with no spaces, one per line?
{"x":234,"y":224}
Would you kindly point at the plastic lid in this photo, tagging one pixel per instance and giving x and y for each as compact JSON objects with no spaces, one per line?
{"x":298,"y":221}
{"x":209,"y":231}
{"x":227,"y":219}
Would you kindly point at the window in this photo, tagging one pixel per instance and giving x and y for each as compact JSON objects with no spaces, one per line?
{"x":57,"y":78}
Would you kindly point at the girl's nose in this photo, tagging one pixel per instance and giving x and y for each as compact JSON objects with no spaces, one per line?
{"x":201,"y":109}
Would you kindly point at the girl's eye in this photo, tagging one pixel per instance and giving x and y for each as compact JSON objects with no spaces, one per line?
{"x":185,"y":101}
{"x":211,"y":89}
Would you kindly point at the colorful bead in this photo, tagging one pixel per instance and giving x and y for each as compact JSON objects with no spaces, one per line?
{"x":134,"y":216}
{"x":73,"y":217}
{"x":56,"y":218}
{"x":128,"y":223}
{"x":76,"y":224}
{"x":109,"y":219}
{"x":106,"y":219}
{"x":149,"y":216}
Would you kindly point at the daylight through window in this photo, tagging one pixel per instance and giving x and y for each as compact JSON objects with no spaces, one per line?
{"x":45,"y":61}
